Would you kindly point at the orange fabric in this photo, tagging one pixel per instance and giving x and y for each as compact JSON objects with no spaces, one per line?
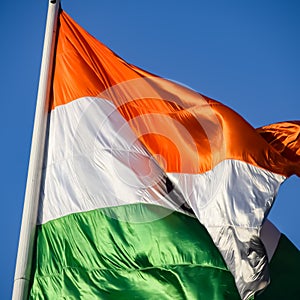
{"x":84,"y":66}
{"x":183,"y":147}
{"x":284,"y":137}
{"x":189,"y":132}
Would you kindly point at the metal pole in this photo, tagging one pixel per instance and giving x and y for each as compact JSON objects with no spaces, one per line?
{"x":28,"y":227}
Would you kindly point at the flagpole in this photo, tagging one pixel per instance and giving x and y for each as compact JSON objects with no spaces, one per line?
{"x":28,"y":226}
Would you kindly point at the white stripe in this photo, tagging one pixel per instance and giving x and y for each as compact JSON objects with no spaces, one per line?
{"x":234,"y":193}
{"x":94,"y":161}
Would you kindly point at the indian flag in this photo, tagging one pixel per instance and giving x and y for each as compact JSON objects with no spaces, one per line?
{"x":153,"y":191}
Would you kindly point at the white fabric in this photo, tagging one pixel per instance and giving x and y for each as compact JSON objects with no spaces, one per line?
{"x":94,"y":161}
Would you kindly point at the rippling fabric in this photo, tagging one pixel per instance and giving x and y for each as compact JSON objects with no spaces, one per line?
{"x":86,"y":170}
{"x":285,"y":138}
{"x":163,"y":114}
{"x":196,"y":149}
{"x":101,"y":255}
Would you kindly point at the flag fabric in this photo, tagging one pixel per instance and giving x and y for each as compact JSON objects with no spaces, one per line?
{"x":151,"y":190}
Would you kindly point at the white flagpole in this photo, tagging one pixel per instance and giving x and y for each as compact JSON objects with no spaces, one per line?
{"x":28,"y":227}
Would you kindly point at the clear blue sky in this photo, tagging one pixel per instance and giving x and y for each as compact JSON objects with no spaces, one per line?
{"x":242,"y":53}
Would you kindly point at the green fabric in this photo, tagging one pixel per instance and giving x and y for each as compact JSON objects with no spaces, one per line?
{"x":98,"y":255}
{"x":284,"y":273}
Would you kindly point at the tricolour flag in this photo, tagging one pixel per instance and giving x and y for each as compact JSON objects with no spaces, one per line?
{"x":147,"y":182}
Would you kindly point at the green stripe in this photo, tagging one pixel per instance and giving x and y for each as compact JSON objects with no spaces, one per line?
{"x":98,"y":255}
